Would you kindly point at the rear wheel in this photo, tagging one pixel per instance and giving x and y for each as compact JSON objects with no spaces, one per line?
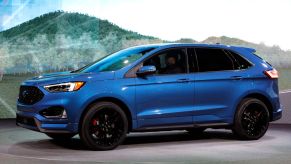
{"x":104,"y":126}
{"x":251,"y":119}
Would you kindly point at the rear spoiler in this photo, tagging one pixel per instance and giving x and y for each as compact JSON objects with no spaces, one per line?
{"x":251,"y":50}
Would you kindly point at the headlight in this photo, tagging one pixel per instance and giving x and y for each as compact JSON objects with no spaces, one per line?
{"x":64,"y":87}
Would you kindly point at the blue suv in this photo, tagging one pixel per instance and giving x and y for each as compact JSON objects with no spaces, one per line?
{"x":154,"y":87}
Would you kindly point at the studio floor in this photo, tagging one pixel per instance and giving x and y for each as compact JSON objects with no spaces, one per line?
{"x":18,"y":145}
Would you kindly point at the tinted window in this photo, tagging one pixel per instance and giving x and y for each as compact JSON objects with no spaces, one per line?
{"x":240,"y":62}
{"x":192,"y":60}
{"x":213,"y":60}
{"x":169,"y":62}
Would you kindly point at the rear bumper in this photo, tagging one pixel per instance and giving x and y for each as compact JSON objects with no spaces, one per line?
{"x":277,"y":114}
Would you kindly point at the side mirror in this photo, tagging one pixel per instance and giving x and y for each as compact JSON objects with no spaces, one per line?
{"x":146,"y":70}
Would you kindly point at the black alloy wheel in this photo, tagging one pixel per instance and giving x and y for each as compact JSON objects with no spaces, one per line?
{"x":104,"y":126}
{"x":251,"y":120}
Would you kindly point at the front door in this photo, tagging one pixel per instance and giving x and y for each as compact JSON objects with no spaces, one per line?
{"x":165,"y":98}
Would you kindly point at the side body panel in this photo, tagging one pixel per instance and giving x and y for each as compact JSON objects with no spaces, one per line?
{"x":164,"y":100}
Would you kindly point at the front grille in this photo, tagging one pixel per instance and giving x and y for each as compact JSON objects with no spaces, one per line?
{"x":29,"y":95}
{"x":25,"y":120}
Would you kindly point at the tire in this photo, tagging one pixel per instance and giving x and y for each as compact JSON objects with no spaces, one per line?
{"x":196,"y":131}
{"x":104,"y":126}
{"x":251,"y":119}
{"x":60,"y":136}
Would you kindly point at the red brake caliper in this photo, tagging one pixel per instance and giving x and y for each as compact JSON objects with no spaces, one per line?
{"x":95,"y":122}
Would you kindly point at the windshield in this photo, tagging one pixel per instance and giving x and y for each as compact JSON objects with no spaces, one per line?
{"x":116,"y":60}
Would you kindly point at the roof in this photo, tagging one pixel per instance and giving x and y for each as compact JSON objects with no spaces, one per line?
{"x":172,"y":45}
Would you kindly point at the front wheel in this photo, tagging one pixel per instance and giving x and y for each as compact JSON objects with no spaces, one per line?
{"x":104,"y":126}
{"x":251,"y":119}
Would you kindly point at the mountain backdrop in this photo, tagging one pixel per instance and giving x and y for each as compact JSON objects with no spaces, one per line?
{"x":61,"y":41}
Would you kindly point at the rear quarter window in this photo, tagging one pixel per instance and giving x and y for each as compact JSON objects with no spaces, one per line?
{"x":239,"y":61}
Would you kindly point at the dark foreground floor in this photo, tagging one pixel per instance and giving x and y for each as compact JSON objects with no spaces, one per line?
{"x":18,"y":145}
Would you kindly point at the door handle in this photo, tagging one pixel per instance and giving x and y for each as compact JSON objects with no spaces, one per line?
{"x":236,"y":77}
{"x":183,"y":80}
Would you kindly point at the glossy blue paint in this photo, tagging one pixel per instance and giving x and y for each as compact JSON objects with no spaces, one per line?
{"x":165,"y":100}
{"x":164,"y":96}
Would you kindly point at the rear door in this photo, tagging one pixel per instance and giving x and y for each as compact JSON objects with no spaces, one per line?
{"x":216,"y":85}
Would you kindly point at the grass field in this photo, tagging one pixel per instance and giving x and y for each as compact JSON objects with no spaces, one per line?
{"x":9,"y":87}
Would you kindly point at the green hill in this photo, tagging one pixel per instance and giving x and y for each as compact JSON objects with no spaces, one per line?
{"x":62,"y":41}
{"x":68,"y":24}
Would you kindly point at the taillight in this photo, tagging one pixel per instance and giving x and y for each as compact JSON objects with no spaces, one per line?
{"x":273,"y":74}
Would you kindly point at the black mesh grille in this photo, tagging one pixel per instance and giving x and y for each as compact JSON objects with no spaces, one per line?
{"x":29,"y":95}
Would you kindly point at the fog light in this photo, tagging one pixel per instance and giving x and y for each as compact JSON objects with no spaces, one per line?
{"x":54,"y":112}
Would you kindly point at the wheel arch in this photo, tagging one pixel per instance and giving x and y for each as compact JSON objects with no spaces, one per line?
{"x":261,"y":97}
{"x":117,"y":101}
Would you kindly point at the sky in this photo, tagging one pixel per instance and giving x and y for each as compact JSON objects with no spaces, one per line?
{"x":15,"y":12}
{"x":258,"y":21}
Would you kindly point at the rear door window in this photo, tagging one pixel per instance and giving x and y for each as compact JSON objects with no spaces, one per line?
{"x":209,"y":59}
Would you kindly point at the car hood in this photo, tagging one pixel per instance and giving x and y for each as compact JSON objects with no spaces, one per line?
{"x":61,"y":77}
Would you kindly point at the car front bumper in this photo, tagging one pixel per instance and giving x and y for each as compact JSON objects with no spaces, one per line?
{"x":38,"y":123}
{"x":30,"y":116}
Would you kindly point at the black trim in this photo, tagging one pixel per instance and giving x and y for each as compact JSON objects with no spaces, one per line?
{"x":25,"y":121}
{"x":181,"y":127}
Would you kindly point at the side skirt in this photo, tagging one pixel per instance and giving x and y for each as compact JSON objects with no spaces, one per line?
{"x":182,"y":127}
